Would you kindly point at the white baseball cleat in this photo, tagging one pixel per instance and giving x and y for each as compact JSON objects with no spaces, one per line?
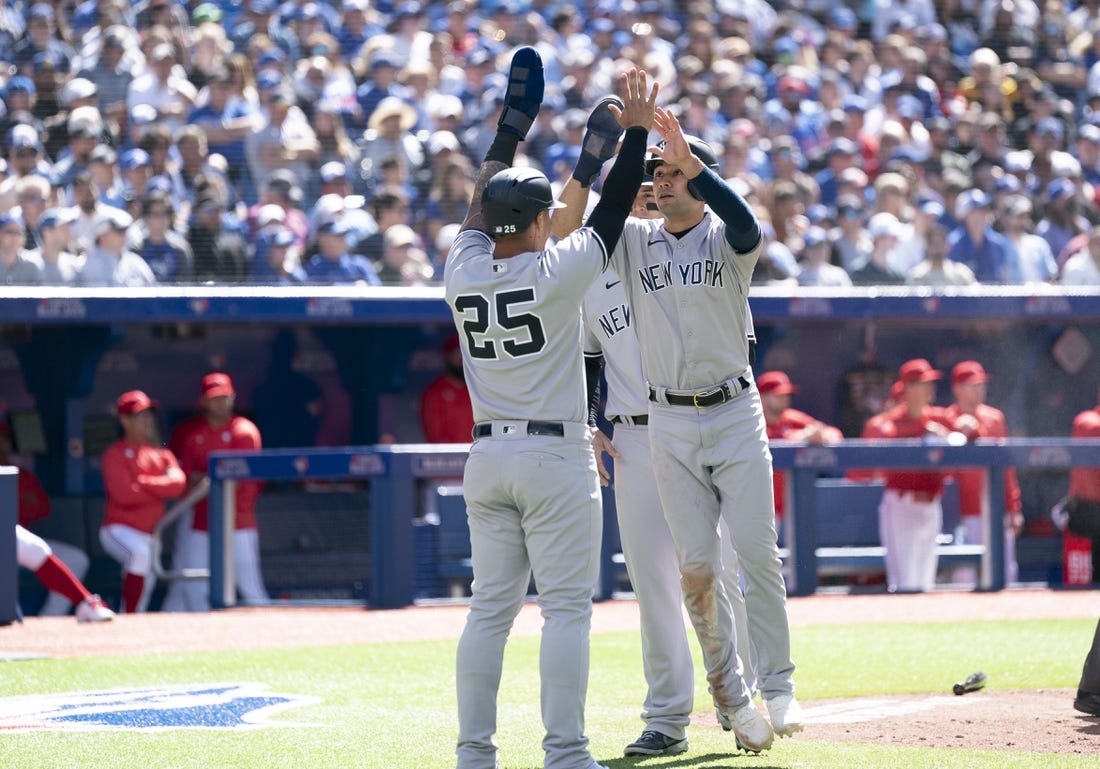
{"x":93,"y":609}
{"x":751,"y":729}
{"x":786,"y":715}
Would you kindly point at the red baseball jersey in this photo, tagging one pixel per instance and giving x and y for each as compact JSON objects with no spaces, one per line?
{"x":446,"y":414}
{"x":137,"y":479}
{"x":1084,"y":482}
{"x":34,"y":503}
{"x":791,"y":422}
{"x":991,"y":424}
{"x":896,"y":423}
{"x":200,"y":440}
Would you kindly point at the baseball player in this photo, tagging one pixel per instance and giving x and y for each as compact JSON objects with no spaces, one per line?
{"x":137,"y":477}
{"x":968,"y":385}
{"x":34,"y":553}
{"x":611,"y":344}
{"x":785,"y":423}
{"x":530,"y":481}
{"x":686,"y":282}
{"x":910,"y":514}
{"x":219,"y":429}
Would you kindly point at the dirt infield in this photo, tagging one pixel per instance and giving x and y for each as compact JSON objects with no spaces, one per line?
{"x":1033,"y":721}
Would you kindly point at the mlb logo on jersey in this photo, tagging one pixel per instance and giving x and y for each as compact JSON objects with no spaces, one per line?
{"x":499,"y":267}
{"x":193,"y":706}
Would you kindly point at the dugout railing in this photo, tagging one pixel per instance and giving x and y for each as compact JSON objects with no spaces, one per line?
{"x":394,"y":472}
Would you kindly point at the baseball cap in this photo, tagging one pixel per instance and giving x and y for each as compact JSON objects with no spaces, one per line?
{"x":112,"y":219}
{"x":216,"y":385}
{"x":842,"y":17}
{"x":41,"y":9}
{"x":334,"y":227}
{"x":815,"y":236}
{"x":400,"y":235}
{"x":21,"y":83}
{"x":332,"y":171}
{"x":443,"y":140}
{"x":968,"y":201}
{"x":206,"y":12}
{"x":842,"y":145}
{"x":134,"y":402}
{"x":1050,"y":125}
{"x":968,"y":372}
{"x":883,"y":225}
{"x":24,"y":135}
{"x":52,"y":217}
{"x":103,"y":153}
{"x":775,"y":382}
{"x":917,"y":370}
{"x":78,"y":88}
{"x":10,"y":217}
{"x":134,"y":158}
{"x":1060,"y":188}
{"x":268,"y":79}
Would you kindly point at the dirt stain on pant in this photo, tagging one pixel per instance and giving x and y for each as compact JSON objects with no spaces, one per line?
{"x":700,"y":584}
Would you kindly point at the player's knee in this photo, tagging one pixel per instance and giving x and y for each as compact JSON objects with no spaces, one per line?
{"x":140,"y":563}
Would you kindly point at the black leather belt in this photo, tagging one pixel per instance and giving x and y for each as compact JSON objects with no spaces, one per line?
{"x":701,"y":400}
{"x":638,"y":421}
{"x":557,"y":429}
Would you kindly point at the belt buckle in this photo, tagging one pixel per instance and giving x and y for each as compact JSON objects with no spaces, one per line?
{"x":706,"y":394}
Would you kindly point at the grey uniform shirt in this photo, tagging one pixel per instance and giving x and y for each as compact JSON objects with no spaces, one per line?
{"x":23,"y":272}
{"x":519,"y":322}
{"x":608,"y":332}
{"x":689,"y":297}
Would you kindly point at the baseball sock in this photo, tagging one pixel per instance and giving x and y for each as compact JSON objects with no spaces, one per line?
{"x":55,"y":576}
{"x":132,"y":587}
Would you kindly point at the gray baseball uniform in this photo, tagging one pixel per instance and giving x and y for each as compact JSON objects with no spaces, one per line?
{"x":647,"y":543}
{"x":688,"y":297}
{"x":531,"y":486}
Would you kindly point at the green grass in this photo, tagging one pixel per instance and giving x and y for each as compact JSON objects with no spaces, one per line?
{"x":392,"y":706}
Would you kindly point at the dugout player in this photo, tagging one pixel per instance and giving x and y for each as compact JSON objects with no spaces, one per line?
{"x":137,"y":478}
{"x":686,"y":282}
{"x":611,"y":344}
{"x":910,"y":514}
{"x":968,"y":385}
{"x":218,"y":429}
{"x":530,"y":481}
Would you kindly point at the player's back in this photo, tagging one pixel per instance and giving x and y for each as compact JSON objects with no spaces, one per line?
{"x":520,"y":325}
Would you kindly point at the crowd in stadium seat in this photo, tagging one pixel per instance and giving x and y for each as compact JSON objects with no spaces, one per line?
{"x":931,"y":142}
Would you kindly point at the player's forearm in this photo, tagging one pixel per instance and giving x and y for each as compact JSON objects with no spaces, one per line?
{"x":565,"y":220}
{"x":620,"y":189}
{"x":742,"y":228}
{"x":500,"y":156}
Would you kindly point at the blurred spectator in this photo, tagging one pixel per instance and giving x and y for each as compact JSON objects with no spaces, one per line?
{"x":977,"y":245}
{"x":1083,"y":267}
{"x":852,"y":243}
{"x":112,"y":71}
{"x":226,"y":120}
{"x":450,"y":194}
{"x":389,"y":134}
{"x":164,"y":249}
{"x":816,"y":271}
{"x":198,"y":172}
{"x":221,"y":253}
{"x":32,"y":195}
{"x":1036,"y":262}
{"x":333,"y":264}
{"x":16,"y":267}
{"x":936,"y":269}
{"x":285,"y":142}
{"x":85,"y":126}
{"x":103,"y":166}
{"x":41,"y":39}
{"x":163,"y":88}
{"x":60,"y":266}
{"x":1062,"y":220}
{"x":404,"y":261}
{"x":109,"y":262}
{"x":884,"y":229}
{"x":389,"y":207}
{"x":276,"y":260}
{"x":335,"y":146}
{"x":25,"y":157}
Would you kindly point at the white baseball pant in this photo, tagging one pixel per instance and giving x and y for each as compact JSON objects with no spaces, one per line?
{"x":133,"y":549}
{"x":194,"y":552}
{"x":908,"y":529}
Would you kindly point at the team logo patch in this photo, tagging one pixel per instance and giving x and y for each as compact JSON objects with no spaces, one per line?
{"x":193,"y":706}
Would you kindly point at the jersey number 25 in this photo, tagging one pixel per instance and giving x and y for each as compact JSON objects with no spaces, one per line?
{"x":479,"y":316}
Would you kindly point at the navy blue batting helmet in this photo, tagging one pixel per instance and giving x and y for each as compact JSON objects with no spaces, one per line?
{"x":513,"y":198}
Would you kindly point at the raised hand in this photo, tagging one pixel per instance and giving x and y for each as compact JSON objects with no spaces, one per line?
{"x":638,"y":105}
{"x":674,"y":149}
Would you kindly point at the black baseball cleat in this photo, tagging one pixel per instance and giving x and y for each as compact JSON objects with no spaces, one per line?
{"x":526,"y":84}
{"x":1087,"y":702}
{"x":602,"y":129}
{"x":653,"y":743}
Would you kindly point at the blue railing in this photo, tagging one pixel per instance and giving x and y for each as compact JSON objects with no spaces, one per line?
{"x":393,"y":472}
